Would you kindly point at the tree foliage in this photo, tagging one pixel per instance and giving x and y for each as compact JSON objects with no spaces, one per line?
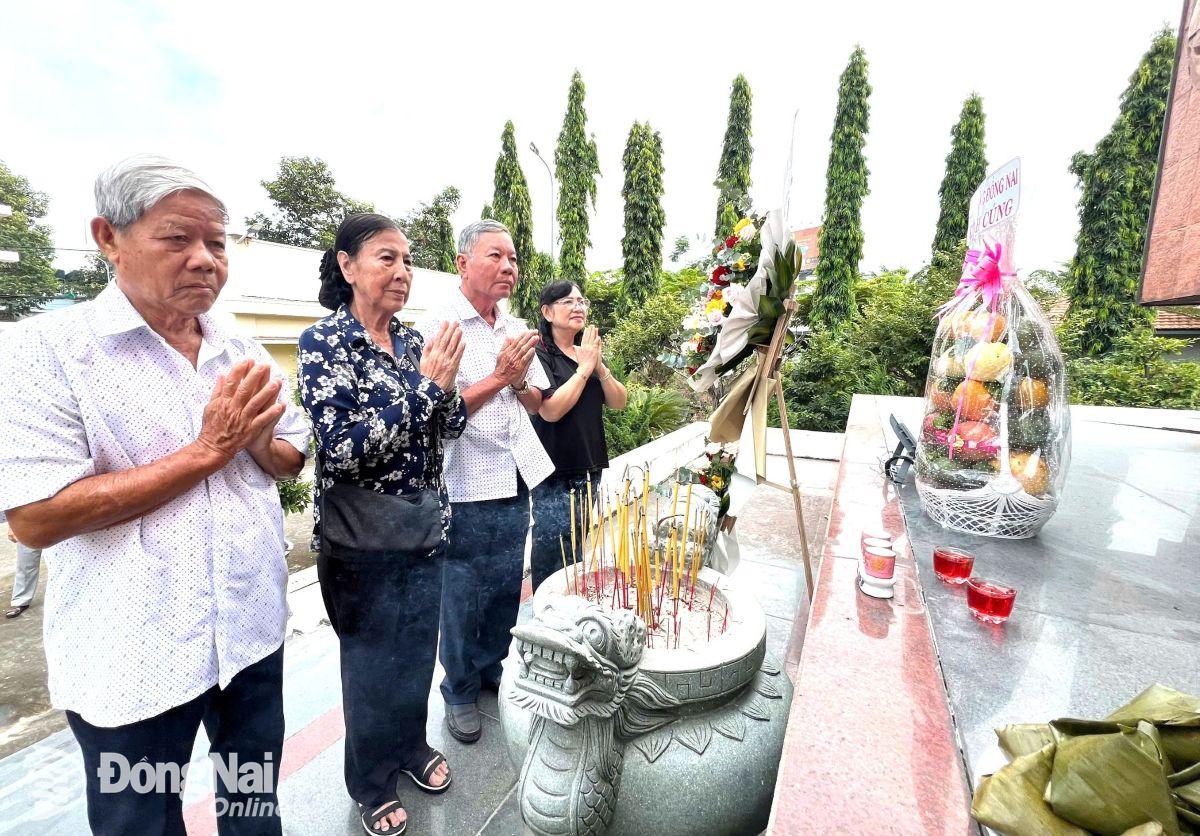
{"x":308,"y":205}
{"x":841,"y":239}
{"x":30,"y":282}
{"x":431,"y":233}
{"x":733,"y":171}
{"x":87,"y":281}
{"x":642,"y":244}
{"x":1117,"y":183}
{"x":966,"y":166}
{"x":644,"y":333}
{"x":576,"y":165}
{"x":512,"y":207}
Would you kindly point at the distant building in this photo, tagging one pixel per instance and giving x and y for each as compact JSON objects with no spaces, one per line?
{"x":1171,"y":267}
{"x":272,"y":290}
{"x":807,"y":241}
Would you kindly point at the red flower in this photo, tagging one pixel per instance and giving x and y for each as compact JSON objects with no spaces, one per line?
{"x":691,"y":369}
{"x":730,"y":242}
{"x":721,"y":270}
{"x":703,"y":479}
{"x":720,"y":282}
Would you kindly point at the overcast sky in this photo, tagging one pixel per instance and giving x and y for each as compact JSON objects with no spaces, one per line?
{"x":402,"y":101}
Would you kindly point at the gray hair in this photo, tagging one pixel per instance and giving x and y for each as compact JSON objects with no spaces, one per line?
{"x":129,"y":189}
{"x":469,"y":237}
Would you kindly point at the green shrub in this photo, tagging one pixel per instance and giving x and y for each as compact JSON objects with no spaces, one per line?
{"x":822,"y":378}
{"x":645,"y":333}
{"x":1136,"y":372}
{"x":652,"y":411}
{"x":294,"y":495}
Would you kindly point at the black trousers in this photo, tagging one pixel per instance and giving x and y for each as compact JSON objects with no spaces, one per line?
{"x":385,"y":615}
{"x":243,"y":721}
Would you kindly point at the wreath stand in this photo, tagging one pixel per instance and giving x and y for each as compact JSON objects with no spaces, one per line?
{"x":767,"y":384}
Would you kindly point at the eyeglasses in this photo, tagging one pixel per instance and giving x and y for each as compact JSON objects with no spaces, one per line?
{"x":573,"y":303}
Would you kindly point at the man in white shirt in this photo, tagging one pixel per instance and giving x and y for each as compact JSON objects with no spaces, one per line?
{"x":489,"y":471}
{"x":140,"y":444}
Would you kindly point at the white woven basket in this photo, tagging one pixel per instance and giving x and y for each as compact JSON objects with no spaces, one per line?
{"x":995,"y":510}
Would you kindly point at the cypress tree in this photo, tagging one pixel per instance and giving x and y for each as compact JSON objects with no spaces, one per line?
{"x":576,"y":165}
{"x":733,"y":172}
{"x":1117,"y":183}
{"x":512,"y":206}
{"x":841,"y":239}
{"x":966,"y":166}
{"x":644,"y":215}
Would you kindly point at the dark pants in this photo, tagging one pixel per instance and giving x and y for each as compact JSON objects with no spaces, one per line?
{"x":243,"y":721}
{"x":552,"y":519}
{"x":481,"y":591}
{"x":385,"y":615}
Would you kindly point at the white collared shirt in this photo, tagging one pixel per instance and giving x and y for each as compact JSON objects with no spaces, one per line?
{"x":499,"y":439}
{"x":147,"y":615}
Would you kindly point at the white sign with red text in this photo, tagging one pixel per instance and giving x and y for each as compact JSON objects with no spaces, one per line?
{"x":995,"y":202}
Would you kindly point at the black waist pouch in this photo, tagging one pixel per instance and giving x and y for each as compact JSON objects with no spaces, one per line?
{"x":359,"y":524}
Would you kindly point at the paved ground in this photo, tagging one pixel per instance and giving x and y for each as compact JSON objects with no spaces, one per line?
{"x":41,"y":784}
{"x":25,"y":712}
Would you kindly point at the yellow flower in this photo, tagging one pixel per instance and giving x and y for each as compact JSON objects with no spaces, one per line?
{"x":740,"y":225}
{"x":716,"y":482}
{"x":715,"y":305}
{"x":740,"y":264}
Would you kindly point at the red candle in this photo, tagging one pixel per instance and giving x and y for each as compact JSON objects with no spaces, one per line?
{"x":989,"y":601}
{"x":879,"y":562}
{"x":951,"y":565}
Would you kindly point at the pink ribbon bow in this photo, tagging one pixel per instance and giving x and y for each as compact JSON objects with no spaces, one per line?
{"x":981,"y":275}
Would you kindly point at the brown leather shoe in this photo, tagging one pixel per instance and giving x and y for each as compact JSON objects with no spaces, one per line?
{"x":13,"y":612}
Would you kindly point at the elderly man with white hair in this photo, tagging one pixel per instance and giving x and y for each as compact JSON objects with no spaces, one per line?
{"x":140,"y":443}
{"x":490,"y":470}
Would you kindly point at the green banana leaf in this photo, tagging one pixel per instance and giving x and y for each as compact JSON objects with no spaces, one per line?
{"x":1160,"y":705}
{"x":1182,"y":745}
{"x":1190,"y":793}
{"x":1109,"y":783}
{"x":1011,"y":801}
{"x":1150,"y":828}
{"x":1023,"y":738}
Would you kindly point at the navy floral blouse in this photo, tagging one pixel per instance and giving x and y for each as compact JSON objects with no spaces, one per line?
{"x":377,"y":419}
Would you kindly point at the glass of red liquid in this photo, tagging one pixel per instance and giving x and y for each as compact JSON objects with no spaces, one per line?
{"x":989,"y":601}
{"x":952,"y":565}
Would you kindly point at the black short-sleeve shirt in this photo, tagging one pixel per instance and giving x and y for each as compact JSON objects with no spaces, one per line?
{"x":574,"y":442}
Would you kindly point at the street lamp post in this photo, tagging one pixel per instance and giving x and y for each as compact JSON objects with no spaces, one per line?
{"x":537,"y":154}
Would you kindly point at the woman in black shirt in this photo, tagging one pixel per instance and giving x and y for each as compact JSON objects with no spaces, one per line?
{"x":570,"y":422}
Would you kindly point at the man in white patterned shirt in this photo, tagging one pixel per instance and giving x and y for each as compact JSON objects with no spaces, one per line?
{"x":140,"y":444}
{"x":489,"y":470}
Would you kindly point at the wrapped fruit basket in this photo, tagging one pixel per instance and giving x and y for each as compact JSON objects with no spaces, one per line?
{"x":995,"y":434}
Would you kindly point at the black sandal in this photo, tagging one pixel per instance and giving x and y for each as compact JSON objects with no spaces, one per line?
{"x":370,"y":818}
{"x":421,"y":779}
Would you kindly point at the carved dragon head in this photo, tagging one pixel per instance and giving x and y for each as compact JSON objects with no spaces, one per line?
{"x":577,"y":659}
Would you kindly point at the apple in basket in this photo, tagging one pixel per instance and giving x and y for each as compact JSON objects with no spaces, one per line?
{"x":974,"y":441}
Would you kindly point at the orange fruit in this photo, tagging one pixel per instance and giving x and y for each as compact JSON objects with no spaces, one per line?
{"x":1030,"y":470}
{"x":1032,"y":393}
{"x":973,"y":400}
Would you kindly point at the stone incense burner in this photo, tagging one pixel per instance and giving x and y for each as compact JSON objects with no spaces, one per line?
{"x":616,"y":730}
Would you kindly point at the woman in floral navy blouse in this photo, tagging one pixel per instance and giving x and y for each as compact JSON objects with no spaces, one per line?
{"x":380,"y":404}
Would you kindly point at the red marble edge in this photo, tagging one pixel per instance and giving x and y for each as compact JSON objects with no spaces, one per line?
{"x":806,"y":799}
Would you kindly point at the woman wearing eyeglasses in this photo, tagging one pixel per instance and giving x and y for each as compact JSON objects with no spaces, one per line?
{"x":570,"y":422}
